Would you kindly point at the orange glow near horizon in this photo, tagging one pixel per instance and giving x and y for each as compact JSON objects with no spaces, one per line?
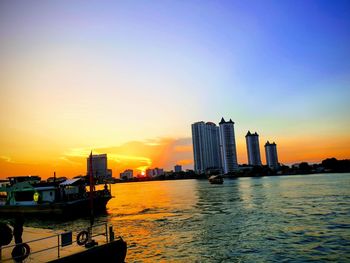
{"x":136,"y":155}
{"x":164,"y":153}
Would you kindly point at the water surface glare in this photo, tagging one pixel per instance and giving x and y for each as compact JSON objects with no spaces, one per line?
{"x":268,"y":219}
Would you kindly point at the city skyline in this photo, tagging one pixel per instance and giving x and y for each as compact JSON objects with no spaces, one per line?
{"x":128,"y":78}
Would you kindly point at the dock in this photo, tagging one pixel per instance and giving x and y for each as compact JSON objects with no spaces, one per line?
{"x":49,"y":245}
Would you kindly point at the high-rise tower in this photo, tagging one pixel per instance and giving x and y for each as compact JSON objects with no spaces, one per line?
{"x":206,"y":150}
{"x":271,"y":155}
{"x":228,"y":146}
{"x":99,"y":166}
{"x":253,"y":148}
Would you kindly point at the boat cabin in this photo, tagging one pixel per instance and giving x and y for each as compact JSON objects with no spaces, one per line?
{"x":72,"y":189}
{"x":25,"y":192}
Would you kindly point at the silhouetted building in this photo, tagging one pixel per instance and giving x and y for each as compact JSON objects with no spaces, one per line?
{"x":127,"y":174}
{"x":177,"y":168}
{"x":253,"y":148}
{"x":228,"y":146}
{"x":206,"y":149}
{"x":271,"y":155}
{"x":154,"y":172}
{"x":99,"y":167}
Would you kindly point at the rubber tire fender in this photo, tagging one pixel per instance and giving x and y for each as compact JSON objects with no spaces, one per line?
{"x":20,"y":252}
{"x":82,"y":238}
{"x":6,"y":234}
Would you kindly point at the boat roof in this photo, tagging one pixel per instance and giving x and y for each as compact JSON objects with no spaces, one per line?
{"x":70,"y":182}
{"x":21,"y":187}
{"x":45,"y":188}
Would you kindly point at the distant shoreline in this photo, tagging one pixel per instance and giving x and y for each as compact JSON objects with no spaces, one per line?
{"x":201,"y":177}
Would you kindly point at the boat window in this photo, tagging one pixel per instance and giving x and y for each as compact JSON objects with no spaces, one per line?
{"x":24,"y":196}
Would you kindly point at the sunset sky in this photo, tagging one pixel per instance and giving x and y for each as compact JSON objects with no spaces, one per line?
{"x":128,"y":78}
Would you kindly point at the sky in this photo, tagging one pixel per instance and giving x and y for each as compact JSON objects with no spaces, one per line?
{"x":128,"y":78}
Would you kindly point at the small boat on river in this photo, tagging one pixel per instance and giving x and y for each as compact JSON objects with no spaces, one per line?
{"x":216,"y":179}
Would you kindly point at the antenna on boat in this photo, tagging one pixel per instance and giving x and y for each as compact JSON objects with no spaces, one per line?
{"x":91,"y":192}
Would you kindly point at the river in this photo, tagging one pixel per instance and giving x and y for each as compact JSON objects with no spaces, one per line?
{"x":268,"y":219}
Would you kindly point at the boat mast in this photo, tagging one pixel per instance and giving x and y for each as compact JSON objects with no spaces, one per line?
{"x":91,"y":192}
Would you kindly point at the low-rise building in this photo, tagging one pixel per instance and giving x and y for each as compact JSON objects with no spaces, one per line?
{"x":127,"y":175}
{"x":154,"y":172}
{"x":177,"y":168}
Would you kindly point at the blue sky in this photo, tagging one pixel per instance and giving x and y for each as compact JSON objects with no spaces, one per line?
{"x":139,"y":70}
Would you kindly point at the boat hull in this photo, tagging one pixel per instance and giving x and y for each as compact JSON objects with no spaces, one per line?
{"x":216,"y":182}
{"x":81,"y":206}
{"x":115,"y":252}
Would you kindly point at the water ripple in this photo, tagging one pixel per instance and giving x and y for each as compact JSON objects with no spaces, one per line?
{"x":270,"y":219}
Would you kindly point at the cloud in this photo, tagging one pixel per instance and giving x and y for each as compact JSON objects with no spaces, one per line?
{"x":71,"y":161}
{"x":183,"y":148}
{"x":139,"y":155}
{"x":7,"y":159}
{"x":185,"y":162}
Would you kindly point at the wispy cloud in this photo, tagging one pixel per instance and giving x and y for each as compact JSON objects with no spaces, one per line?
{"x":70,"y":161}
{"x":183,"y":148}
{"x":119,"y":158}
{"x":7,"y":159}
{"x":185,"y":162}
{"x":139,"y":155}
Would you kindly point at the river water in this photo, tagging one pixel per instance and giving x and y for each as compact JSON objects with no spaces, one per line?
{"x":268,"y":219}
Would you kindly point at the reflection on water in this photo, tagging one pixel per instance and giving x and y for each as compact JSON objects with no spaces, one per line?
{"x":290,"y":218}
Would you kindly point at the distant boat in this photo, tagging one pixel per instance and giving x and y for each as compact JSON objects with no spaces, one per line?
{"x":27,"y":196}
{"x":216,"y":179}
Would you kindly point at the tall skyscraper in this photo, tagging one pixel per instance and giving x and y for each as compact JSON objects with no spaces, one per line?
{"x":228,"y":146}
{"x":206,"y":149}
{"x":253,"y":148}
{"x":99,"y":166}
{"x":271,"y":155}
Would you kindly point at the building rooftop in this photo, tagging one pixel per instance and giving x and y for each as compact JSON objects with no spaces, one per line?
{"x":211,"y":123}
{"x":252,"y":134}
{"x":223,"y":121}
{"x":268,"y":143}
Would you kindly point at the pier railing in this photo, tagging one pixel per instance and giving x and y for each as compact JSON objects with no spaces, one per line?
{"x":57,"y":245}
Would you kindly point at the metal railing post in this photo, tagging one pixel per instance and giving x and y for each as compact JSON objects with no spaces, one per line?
{"x":58,"y":245}
{"x":106,"y":232}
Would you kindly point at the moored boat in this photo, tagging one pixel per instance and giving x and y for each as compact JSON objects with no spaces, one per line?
{"x":29,"y":195}
{"x":26,"y":195}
